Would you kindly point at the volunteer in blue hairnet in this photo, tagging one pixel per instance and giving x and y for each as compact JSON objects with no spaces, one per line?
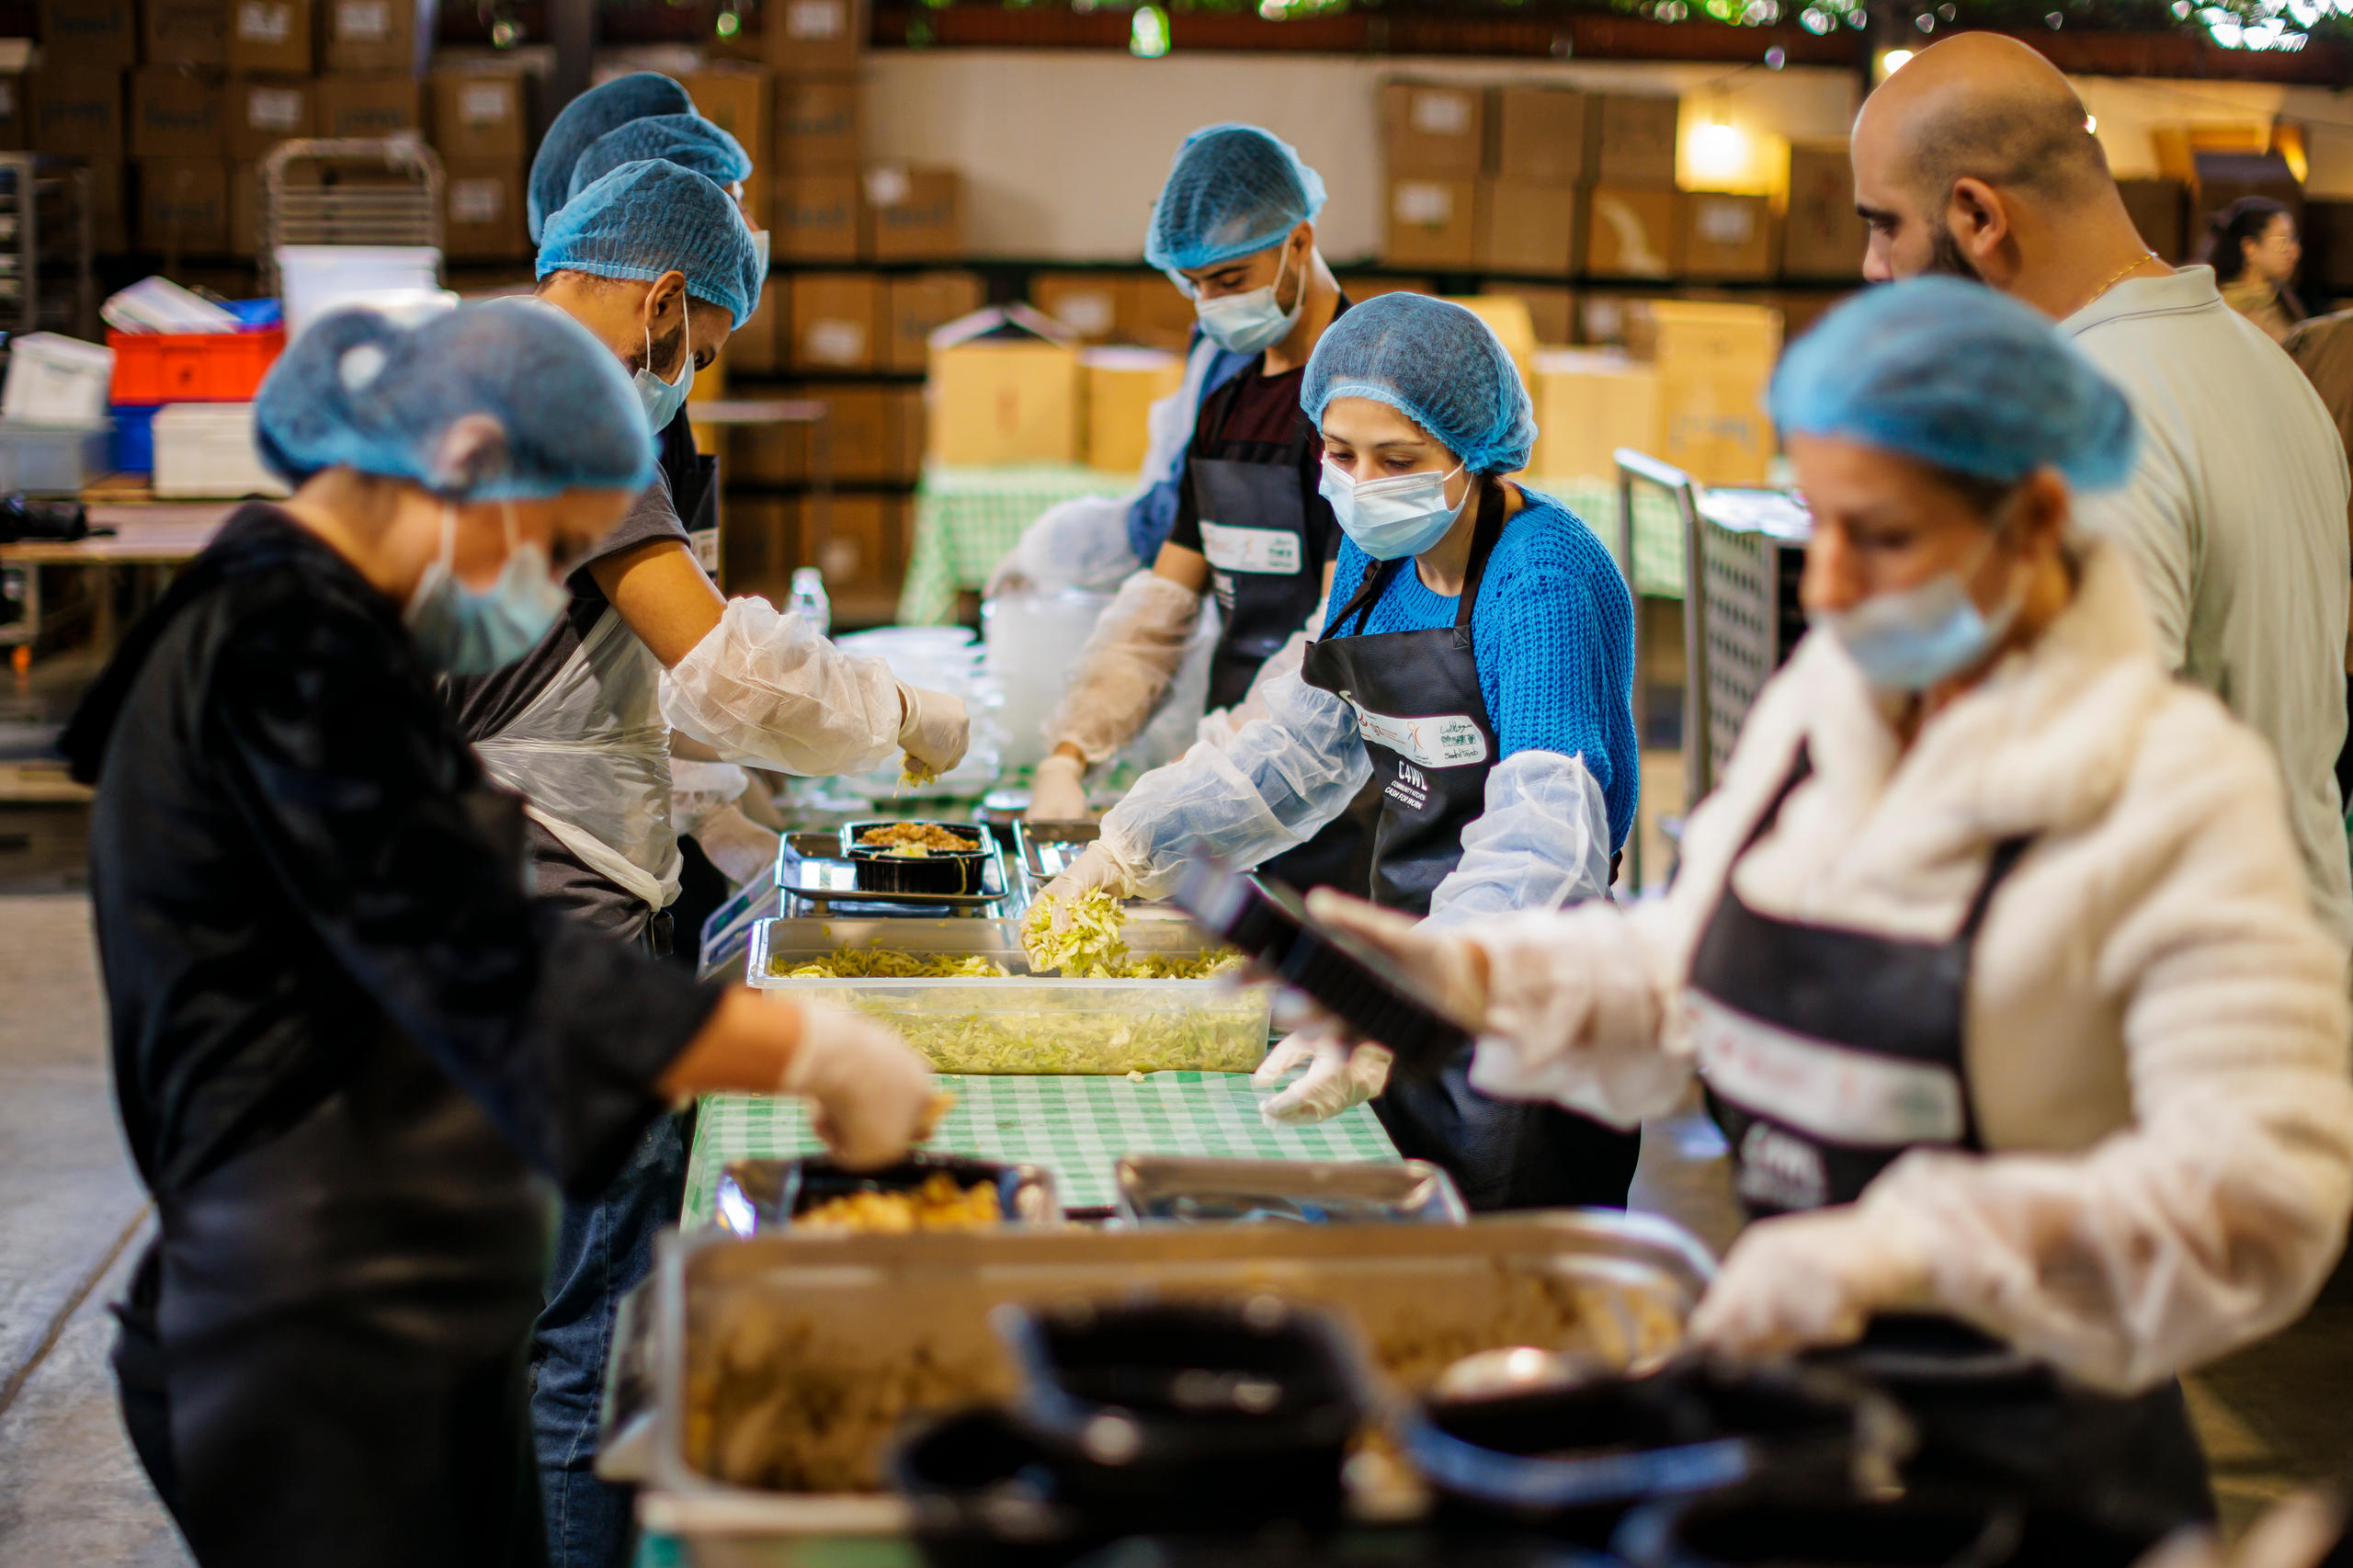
{"x":601,"y":109}
{"x":1235,"y":228}
{"x":348,"y":1044}
{"x":656,"y":261}
{"x":1993,"y":949}
{"x":1475,"y":666}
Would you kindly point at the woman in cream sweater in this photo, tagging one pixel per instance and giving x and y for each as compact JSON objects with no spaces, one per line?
{"x":1991,"y":953}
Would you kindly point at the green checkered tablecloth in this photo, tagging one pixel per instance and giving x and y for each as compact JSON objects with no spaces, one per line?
{"x":1078,"y":1127}
{"x":966,"y":520}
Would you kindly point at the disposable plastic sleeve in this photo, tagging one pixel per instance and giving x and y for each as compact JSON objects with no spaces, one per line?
{"x":764,"y":688}
{"x":1220,"y":724}
{"x":1127,"y":664}
{"x":1078,"y":543}
{"x":1542,"y":842}
{"x":1269,"y":790}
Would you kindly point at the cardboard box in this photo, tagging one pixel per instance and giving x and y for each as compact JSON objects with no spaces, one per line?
{"x":1155,"y":314}
{"x":1526,"y":228}
{"x":1631,"y":232}
{"x":819,"y":124}
{"x":262,"y":111}
{"x":1437,"y":132}
{"x":876,"y":432}
{"x":367,"y":106}
{"x":1726,"y":235}
{"x":1121,"y":386}
{"x":270,"y":35}
{"x":245,"y":210}
{"x":816,"y":217}
{"x":813,"y":38}
{"x":369,"y":35}
{"x":178,"y":114}
{"x":1540,"y":136}
{"x":480,"y":115}
{"x":185,"y":32}
{"x":80,"y":112}
{"x":1589,"y":404}
{"x":919,"y":305}
{"x":1630,"y":138}
{"x":1509,"y":319}
{"x":860,"y":544}
{"x":914,"y":214}
{"x":2158,"y":207}
{"x":759,"y":540}
{"x":837,"y":319}
{"x":1084,"y":304}
{"x":88,"y":35}
{"x":1551,"y":310}
{"x":1714,"y":362}
{"x":184,"y":206}
{"x":1007,"y":400}
{"x":109,"y":207}
{"x":16,"y":113}
{"x":1431,"y":222}
{"x":752,"y":348}
{"x":765,"y":456}
{"x":482,"y":211}
{"x":735,"y":98}
{"x":1824,"y":235}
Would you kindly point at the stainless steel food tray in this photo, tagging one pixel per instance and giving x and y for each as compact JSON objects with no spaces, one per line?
{"x":799,"y":939}
{"x":1175,"y":1190}
{"x":876,"y":1329}
{"x":1047,"y":848}
{"x":823,"y":882}
{"x":761,"y":1197}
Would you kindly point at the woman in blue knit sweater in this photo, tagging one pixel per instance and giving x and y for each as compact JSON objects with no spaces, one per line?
{"x":1477,"y":662}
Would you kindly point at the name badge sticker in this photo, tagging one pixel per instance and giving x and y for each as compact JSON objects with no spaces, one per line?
{"x":1832,"y":1092}
{"x":1440,"y":740}
{"x":1269,"y":551}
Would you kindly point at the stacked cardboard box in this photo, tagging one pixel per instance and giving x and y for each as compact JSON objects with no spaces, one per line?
{"x":479,"y":123}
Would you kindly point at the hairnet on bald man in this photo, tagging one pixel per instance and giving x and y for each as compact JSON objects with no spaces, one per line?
{"x":687,"y":140}
{"x":584,"y":118}
{"x":360,"y":390}
{"x":1233,"y":190}
{"x":649,"y":218}
{"x":1960,"y":377}
{"x":1437,"y":364}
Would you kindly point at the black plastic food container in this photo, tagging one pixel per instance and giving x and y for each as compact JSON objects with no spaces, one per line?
{"x":754,"y":1196}
{"x":986,"y":1495}
{"x":1756,"y":1528}
{"x":935,"y":871}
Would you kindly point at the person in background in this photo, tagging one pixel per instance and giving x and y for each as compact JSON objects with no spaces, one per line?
{"x":1235,"y":228}
{"x":2252,"y":246}
{"x":1975,"y":160}
{"x":2322,"y":347}
{"x":654,"y":259}
{"x":604,"y":109}
{"x":345,"y":1037}
{"x":1990,"y":952}
{"x":1476,"y":668}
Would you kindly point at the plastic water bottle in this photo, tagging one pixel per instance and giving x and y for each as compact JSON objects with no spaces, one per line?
{"x":808,"y":599}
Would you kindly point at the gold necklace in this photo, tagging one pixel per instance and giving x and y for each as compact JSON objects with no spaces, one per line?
{"x":2135,"y":265}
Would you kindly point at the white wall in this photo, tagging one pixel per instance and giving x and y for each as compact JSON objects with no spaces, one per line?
{"x":1064,"y":151}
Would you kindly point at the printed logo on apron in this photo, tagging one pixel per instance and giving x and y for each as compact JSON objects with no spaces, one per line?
{"x":1830,"y":1092}
{"x":1409,"y":789}
{"x":1778,"y":1171}
{"x":1272,"y":551}
{"x":1439,"y":740}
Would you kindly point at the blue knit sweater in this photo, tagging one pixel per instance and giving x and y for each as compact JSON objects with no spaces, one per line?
{"x":1553,"y":637}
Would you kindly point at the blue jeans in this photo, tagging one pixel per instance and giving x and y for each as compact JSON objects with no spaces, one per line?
{"x":602,"y":1249}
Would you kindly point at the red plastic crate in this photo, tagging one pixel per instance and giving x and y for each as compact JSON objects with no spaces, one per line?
{"x":211,"y":367}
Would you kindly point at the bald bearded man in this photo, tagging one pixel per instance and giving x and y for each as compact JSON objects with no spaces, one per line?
{"x":1976,"y":159}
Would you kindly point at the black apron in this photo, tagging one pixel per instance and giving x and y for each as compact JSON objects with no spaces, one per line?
{"x":1252,"y":501}
{"x":324,"y":1356}
{"x":1826,"y":1052}
{"x":1426,"y":730}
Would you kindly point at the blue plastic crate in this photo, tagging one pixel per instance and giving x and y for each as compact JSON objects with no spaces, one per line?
{"x":134,"y":438}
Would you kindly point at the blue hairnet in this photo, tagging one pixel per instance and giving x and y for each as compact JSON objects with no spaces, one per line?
{"x":649,"y":218}
{"x":1437,"y":364}
{"x":361,"y":389}
{"x":687,"y":140}
{"x":584,"y":118}
{"x":1959,"y":375}
{"x":1234,"y":189}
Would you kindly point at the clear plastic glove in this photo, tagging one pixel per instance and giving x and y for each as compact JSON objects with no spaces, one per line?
{"x":1336,"y":1079}
{"x":870,"y":1094}
{"x":1096,"y":867}
{"x":936,"y":729}
{"x":1800,"y":1280}
{"x":1058,"y":790}
{"x":1447,"y":968}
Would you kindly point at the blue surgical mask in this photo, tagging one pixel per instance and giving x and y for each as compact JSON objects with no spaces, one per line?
{"x":1250,"y":321}
{"x":1395,"y":517}
{"x":1909,"y":642}
{"x":472,"y":631}
{"x":664,"y":399}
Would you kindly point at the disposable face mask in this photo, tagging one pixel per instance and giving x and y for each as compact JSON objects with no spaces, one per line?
{"x":1250,"y":321}
{"x":760,"y":253}
{"x":1909,"y":642}
{"x":472,"y":631}
{"x":1390,"y":518}
{"x":664,"y":399}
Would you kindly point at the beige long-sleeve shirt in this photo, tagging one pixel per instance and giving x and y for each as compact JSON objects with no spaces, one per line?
{"x":2157,"y":1025}
{"x":2235,"y":517}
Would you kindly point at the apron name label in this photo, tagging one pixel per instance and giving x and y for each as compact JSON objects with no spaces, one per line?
{"x":1269,"y":551}
{"x":1441,"y":740}
{"x":1829,"y":1091}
